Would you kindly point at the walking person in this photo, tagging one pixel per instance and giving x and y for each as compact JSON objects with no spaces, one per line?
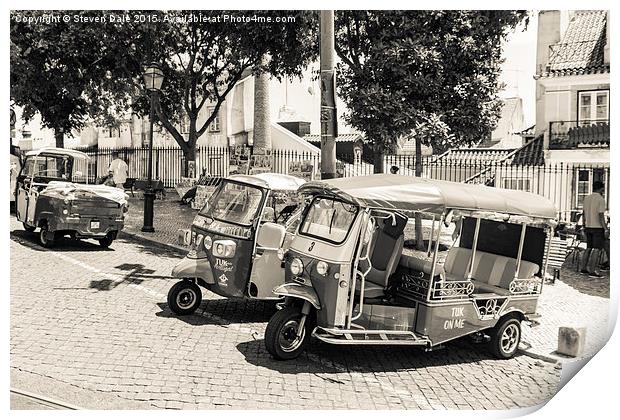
{"x":596,"y":229}
{"x":118,"y":169}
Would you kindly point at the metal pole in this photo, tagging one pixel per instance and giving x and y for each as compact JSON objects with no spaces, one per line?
{"x":149,"y":195}
{"x":431,"y":283}
{"x":473,"y":251}
{"x":329,"y":125}
{"x":523,"y":229}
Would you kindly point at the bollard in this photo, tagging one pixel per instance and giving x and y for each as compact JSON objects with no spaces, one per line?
{"x":571,"y":341}
{"x":184,"y":236}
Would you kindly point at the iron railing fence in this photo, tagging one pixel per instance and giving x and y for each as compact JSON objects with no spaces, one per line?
{"x":565,"y":184}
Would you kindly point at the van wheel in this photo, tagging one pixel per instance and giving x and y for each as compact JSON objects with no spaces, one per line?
{"x":281,"y":337}
{"x":46,"y":237}
{"x":106,"y":241}
{"x":184,"y":298}
{"x":29,"y":228}
{"x":505,"y":338}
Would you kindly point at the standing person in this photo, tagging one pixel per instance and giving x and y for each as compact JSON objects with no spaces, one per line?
{"x":596,"y":229}
{"x":118,"y":169}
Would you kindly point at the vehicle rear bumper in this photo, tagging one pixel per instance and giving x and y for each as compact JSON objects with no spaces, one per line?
{"x":84,"y":228}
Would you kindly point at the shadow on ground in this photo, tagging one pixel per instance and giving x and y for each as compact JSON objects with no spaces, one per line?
{"x":325,"y":358}
{"x":582,"y":282}
{"x":224,"y":311}
{"x":31,"y":240}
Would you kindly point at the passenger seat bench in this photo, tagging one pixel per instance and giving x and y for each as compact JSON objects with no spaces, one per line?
{"x":491,"y":273}
{"x":386,"y":247}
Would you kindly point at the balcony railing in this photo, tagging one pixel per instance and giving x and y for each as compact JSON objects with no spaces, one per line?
{"x":578,"y":134}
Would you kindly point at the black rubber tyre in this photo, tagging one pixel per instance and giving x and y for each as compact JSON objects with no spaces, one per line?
{"x":47,"y":238}
{"x":106,"y":241}
{"x":184,"y":297}
{"x":281,"y":338}
{"x":505,"y":338}
{"x":29,"y":228}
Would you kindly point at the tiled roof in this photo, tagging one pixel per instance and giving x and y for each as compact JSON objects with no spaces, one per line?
{"x":580,"y":50}
{"x":474,"y":155}
{"x":316,"y":138}
{"x":532,"y":153}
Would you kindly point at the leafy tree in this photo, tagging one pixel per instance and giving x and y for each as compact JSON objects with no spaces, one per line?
{"x":57,"y":68}
{"x":429,"y":74}
{"x":203,"y":56}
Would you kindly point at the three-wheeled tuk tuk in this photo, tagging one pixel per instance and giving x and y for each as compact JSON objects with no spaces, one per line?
{"x":237,"y":241}
{"x":52,"y":195}
{"x":348,"y":281}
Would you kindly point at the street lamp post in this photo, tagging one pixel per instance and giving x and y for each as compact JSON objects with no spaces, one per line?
{"x":153,"y":79}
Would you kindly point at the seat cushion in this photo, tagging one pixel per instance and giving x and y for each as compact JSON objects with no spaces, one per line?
{"x":490,"y":269}
{"x":418,"y":264}
{"x":371,"y":290}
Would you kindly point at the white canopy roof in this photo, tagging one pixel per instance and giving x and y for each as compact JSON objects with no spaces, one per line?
{"x":407,"y":193}
{"x":271,"y":180}
{"x":57,"y":151}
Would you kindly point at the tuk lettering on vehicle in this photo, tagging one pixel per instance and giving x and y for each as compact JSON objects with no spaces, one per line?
{"x":223,"y":265}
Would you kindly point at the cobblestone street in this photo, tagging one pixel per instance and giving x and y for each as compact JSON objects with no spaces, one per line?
{"x":97,"y":319}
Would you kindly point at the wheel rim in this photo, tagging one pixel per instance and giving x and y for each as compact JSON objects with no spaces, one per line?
{"x":44,"y":239}
{"x":288,"y":339}
{"x":186,"y":298}
{"x":510,"y":339}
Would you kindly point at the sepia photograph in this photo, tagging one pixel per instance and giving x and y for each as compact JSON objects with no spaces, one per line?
{"x":307,"y":209}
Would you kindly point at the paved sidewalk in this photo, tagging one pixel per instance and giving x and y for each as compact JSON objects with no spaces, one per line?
{"x":169,"y":217}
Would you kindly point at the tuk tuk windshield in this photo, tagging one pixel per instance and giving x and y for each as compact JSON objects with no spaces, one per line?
{"x":57,"y":168}
{"x":234,"y":203}
{"x":328,"y":219}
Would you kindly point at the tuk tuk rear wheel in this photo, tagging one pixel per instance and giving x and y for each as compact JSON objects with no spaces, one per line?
{"x":106,"y":241}
{"x":505,"y":338}
{"x":47,"y":238}
{"x":29,"y":228}
{"x":184,"y":298}
{"x":281,"y":335}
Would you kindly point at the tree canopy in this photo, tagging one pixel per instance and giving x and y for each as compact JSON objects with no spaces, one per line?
{"x":74,"y":71}
{"x":430,"y":74}
{"x":58,"y":69}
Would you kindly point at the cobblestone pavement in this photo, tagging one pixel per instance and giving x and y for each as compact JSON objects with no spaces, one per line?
{"x":97,"y":319}
{"x":170,"y":216}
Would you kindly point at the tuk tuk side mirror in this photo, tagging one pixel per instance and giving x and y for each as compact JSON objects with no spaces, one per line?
{"x":270,"y":235}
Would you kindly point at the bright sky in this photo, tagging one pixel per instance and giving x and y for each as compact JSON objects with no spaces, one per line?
{"x":519,"y":68}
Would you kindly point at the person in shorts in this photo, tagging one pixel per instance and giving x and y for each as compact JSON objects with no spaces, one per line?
{"x":596,"y":229}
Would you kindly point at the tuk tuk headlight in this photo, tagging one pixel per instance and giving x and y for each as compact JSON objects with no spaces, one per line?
{"x":297,"y":266}
{"x":208,"y":242}
{"x":322,"y":268}
{"x":224,"y":248}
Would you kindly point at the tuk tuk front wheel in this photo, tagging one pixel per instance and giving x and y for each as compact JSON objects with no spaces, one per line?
{"x":184,"y":298}
{"x":47,"y":238}
{"x":505,"y":338}
{"x":29,"y":228}
{"x":283,"y":338}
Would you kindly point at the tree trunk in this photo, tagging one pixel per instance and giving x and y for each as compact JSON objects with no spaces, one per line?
{"x":262,"y":120}
{"x":189,"y":169}
{"x":59,"y":135}
{"x":419,"y":235}
{"x":378,"y":158}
